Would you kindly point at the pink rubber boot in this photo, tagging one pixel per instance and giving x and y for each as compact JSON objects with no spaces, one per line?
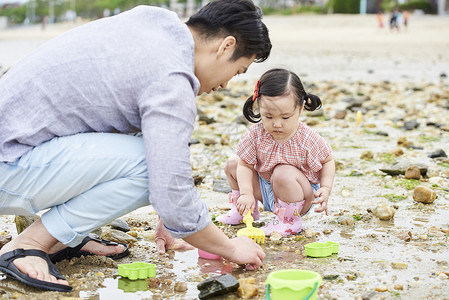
{"x":287,"y":221}
{"x":233,"y":217}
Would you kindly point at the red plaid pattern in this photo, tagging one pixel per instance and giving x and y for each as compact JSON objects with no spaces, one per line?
{"x":306,"y":150}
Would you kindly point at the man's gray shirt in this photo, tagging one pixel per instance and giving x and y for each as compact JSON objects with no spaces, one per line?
{"x":130,"y":72}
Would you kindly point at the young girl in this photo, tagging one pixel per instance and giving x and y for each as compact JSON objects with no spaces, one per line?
{"x":281,"y":162}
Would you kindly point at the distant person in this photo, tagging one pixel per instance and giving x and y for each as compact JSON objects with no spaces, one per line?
{"x":406,"y":16}
{"x":67,"y":111}
{"x":280,"y":162}
{"x":44,"y":22}
{"x":394,"y":25}
{"x":380,"y":19}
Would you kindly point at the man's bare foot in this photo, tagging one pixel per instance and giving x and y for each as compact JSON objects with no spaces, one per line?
{"x":32,"y":266}
{"x":93,"y":247}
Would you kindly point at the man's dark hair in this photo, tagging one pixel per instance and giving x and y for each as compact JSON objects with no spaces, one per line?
{"x":238,"y":18}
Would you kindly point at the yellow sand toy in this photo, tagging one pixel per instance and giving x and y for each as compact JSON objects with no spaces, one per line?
{"x":256,"y":234}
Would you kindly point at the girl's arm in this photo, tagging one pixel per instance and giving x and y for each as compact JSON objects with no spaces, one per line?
{"x":246,"y":200}
{"x":326,"y":182}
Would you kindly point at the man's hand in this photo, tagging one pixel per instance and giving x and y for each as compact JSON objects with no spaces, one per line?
{"x":246,"y":252}
{"x":164,"y":241}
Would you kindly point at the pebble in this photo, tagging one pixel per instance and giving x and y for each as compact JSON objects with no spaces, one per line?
{"x":180,"y":287}
{"x":424,"y":195}
{"x":384,"y":212}
{"x":399,"y":265}
{"x":247,"y":288}
{"x":413,"y":172}
{"x":381,"y":288}
{"x":120,"y":224}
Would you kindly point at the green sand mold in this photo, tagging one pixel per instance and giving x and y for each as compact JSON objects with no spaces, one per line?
{"x":318,"y":249}
{"x":137,"y":270}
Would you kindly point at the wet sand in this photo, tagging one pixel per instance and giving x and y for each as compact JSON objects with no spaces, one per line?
{"x":338,"y":57}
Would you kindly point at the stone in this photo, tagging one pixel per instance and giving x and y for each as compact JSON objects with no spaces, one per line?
{"x":247,"y":288}
{"x":424,"y":195}
{"x":403,"y":142}
{"x":180,"y":287}
{"x":340,"y":115}
{"x":120,"y":224}
{"x":413,"y":172}
{"x":397,"y":152}
{"x":22,"y":222}
{"x":4,"y":239}
{"x":367,"y":155}
{"x":438,"y":153}
{"x":221,"y":186}
{"x":410,"y":125}
{"x":399,"y":265}
{"x":218,"y":285}
{"x":117,"y":236}
{"x":384,"y":212}
{"x":432,"y":172}
{"x":400,"y":167}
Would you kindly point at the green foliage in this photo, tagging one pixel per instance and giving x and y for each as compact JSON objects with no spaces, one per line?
{"x":346,"y":6}
{"x":15,"y":14}
{"x":394,"y":198}
{"x":293,"y":10}
{"x":357,"y":217}
{"x":387,"y":157}
{"x":409,"y":184}
{"x":424,"y":5}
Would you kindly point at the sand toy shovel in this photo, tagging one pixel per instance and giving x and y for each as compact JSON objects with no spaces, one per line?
{"x":256,"y":234}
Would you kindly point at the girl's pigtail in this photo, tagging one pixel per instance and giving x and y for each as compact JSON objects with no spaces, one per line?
{"x":248,"y":111}
{"x":312,"y":102}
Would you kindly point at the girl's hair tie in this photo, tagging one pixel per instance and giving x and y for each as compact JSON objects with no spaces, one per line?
{"x":306,"y":96}
{"x":256,"y":91}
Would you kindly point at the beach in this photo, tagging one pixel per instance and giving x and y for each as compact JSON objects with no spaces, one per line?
{"x":398,"y":81}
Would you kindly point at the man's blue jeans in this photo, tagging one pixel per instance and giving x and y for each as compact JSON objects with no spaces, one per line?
{"x":85,"y":180}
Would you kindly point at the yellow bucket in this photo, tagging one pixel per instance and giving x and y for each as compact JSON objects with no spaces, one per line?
{"x":292,"y":284}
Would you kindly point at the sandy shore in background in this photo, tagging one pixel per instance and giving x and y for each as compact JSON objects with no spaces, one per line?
{"x":324,"y":47}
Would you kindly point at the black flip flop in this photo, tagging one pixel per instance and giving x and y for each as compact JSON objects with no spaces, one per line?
{"x":7,"y":267}
{"x":69,"y":253}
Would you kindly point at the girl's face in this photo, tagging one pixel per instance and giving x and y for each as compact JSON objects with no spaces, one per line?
{"x":280,"y":116}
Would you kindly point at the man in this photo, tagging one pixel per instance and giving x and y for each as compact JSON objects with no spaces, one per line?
{"x":65,"y":112}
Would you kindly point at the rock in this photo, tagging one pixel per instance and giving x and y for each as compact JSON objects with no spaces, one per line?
{"x":399,"y":265}
{"x":347,"y":221}
{"x":148,"y":235}
{"x":382,"y":133}
{"x":438,"y":153}
{"x":367,"y":155}
{"x":198,"y":179}
{"x":384,"y":212}
{"x":247,"y":288}
{"x":221,"y":186}
{"x":219,"y":285}
{"x":398,"y":287}
{"x":432,"y":172}
{"x":381,"y":288}
{"x":309,"y":233}
{"x":403,"y":142}
{"x":410,"y":125}
{"x":180,"y":287}
{"x":400,"y":167}
{"x":4,"y":239}
{"x":22,"y":222}
{"x":340,"y":115}
{"x":276,"y":238}
{"x":397,"y":152}
{"x":120,"y":224}
{"x":413,"y":172}
{"x":117,"y":236}
{"x":209,"y":141}
{"x":405,"y":236}
{"x":424,"y":195}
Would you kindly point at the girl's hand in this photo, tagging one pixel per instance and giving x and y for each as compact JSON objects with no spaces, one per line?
{"x":322,"y":196}
{"x":245,"y":203}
